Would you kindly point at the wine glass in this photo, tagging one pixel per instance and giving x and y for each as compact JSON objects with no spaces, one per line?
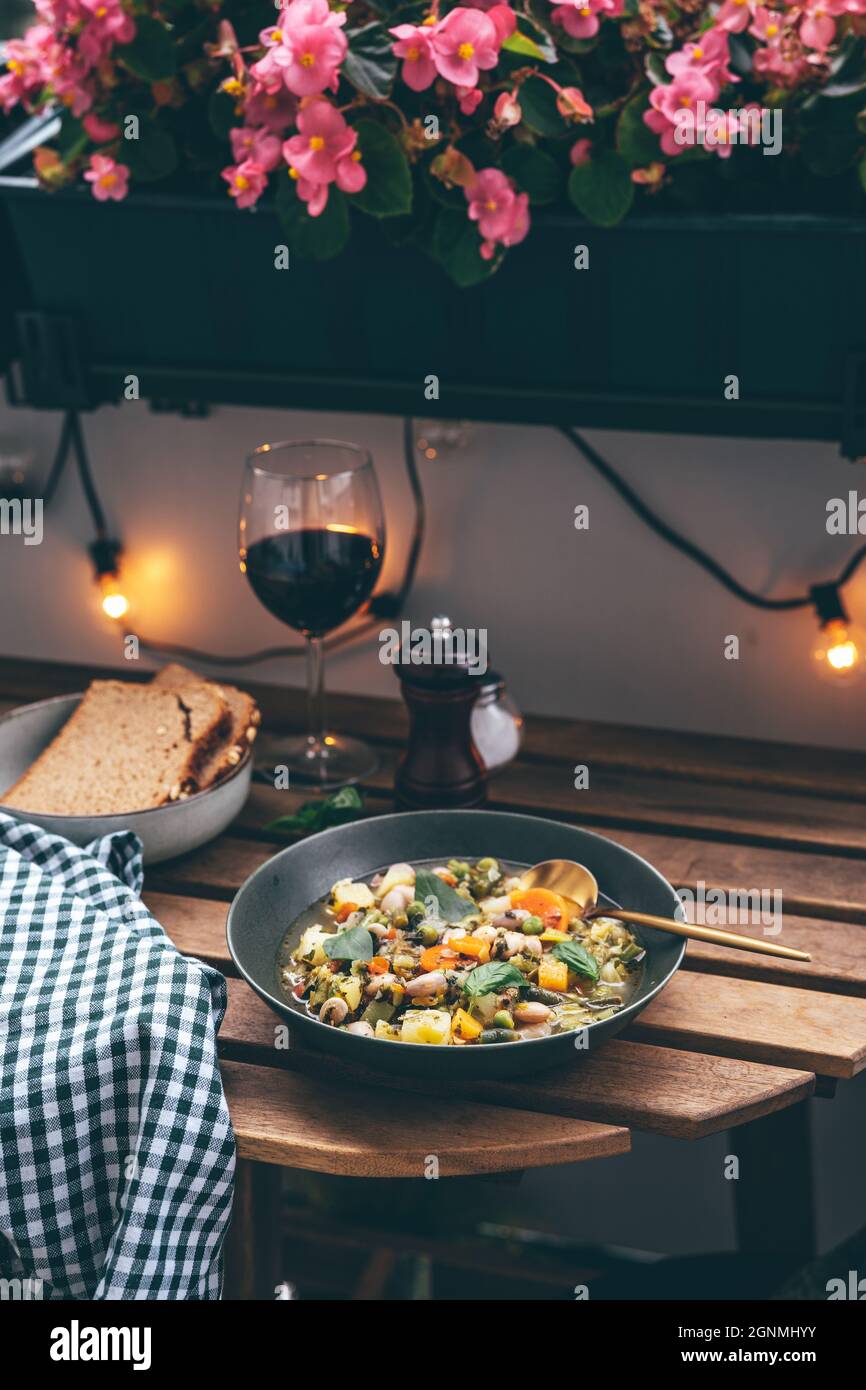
{"x":311,"y":539}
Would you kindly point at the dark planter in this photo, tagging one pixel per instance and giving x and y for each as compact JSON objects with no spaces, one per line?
{"x":184,"y":292}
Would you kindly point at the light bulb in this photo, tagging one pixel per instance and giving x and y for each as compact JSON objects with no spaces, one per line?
{"x":115,"y":604}
{"x":840,"y":652}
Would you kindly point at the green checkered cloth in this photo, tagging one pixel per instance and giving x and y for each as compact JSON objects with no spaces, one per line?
{"x":116,"y":1149}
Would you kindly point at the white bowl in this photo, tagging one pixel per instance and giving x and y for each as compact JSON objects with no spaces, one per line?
{"x":165,"y":831}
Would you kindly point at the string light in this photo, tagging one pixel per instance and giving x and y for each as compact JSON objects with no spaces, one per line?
{"x":838,"y":652}
{"x":106,"y":563}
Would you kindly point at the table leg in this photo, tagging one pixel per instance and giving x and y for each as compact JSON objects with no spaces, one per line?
{"x":252,"y":1248}
{"x":773,"y":1195}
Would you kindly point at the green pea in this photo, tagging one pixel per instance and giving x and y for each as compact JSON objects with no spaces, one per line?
{"x":503,"y":1019}
{"x":415,"y":912}
{"x":428,"y":934}
{"x":532,"y":926}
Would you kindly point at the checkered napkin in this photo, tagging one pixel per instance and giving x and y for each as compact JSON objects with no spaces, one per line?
{"x":116,"y":1150}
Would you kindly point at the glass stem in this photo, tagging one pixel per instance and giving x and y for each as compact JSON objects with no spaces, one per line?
{"x":316,"y":697}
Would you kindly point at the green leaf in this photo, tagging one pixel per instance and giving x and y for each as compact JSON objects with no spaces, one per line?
{"x":452,"y":908}
{"x":634,"y":140}
{"x":370,"y":64}
{"x":338,"y":809}
{"x":577,"y":958}
{"x":388,"y":190}
{"x":457,"y":248}
{"x":538,"y":104}
{"x":535,"y":172}
{"x":72,"y":139}
{"x":491,"y":978}
{"x":601,"y":189}
{"x":316,"y":238}
{"x":354,"y":944}
{"x":151,"y":54}
{"x":152,"y":156}
{"x":530,"y":40}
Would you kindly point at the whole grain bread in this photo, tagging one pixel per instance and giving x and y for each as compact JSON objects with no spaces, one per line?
{"x":126,"y":748}
{"x":242,"y":729}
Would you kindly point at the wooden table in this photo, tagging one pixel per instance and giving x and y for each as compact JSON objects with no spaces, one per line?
{"x":734,"y":1040}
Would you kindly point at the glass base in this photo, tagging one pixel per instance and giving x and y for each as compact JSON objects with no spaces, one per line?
{"x":336,"y":762}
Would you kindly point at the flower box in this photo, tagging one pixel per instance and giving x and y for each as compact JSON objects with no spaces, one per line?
{"x":184,"y":292}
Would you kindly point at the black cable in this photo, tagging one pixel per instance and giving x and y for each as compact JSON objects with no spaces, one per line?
{"x":689,"y":548}
{"x":86,"y":477}
{"x":60,"y":457}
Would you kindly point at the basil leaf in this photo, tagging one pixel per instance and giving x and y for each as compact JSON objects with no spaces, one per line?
{"x":343,"y":806}
{"x":490,"y":978}
{"x":354,"y":944}
{"x":452,"y":908}
{"x":577,"y":958}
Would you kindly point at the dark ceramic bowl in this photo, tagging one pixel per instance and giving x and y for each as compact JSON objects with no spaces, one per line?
{"x":279,"y":891}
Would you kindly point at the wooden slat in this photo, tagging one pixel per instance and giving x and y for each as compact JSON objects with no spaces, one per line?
{"x":301,"y":1122}
{"x":670,"y":1092}
{"x":798,"y":1028}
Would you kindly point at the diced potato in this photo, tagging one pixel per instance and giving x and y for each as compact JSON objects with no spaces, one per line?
{"x":348,"y":892}
{"x":399,"y":875}
{"x":494,"y":907}
{"x":426,"y":1026}
{"x":350,"y":988}
{"x":387,"y":1031}
{"x":310,"y":946}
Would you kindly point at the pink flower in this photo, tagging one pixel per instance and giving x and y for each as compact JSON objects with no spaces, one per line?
{"x":415,"y":46}
{"x":259,"y":144}
{"x":107,"y":178}
{"x":507,"y":111}
{"x":305,"y":49}
{"x":100,"y":131}
{"x":501,"y":213}
{"x":274,"y":110}
{"x":323,"y":152}
{"x":766,"y":25}
{"x":734,"y":16}
{"x":106,"y":24}
{"x":469,"y":99}
{"x":464,"y":42}
{"x":573,"y":105}
{"x":247,"y":182}
{"x":818,"y":29}
{"x":666,"y":101}
{"x":580,"y":152}
{"x":708,"y":54}
{"x":582,"y":18}
{"x":504,"y":21}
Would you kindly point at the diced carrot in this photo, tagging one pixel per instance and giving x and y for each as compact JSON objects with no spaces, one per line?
{"x":435,"y":956}
{"x":378,"y":965}
{"x":471,"y":946}
{"x":553,"y":910}
{"x":447,"y":878}
{"x":345,"y":910}
{"x":465,"y":1026}
{"x":553,"y":974}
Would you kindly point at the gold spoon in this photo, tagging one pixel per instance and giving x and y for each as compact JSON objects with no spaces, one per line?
{"x":576,"y":883}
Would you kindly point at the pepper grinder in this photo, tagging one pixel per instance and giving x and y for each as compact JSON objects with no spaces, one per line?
{"x":442,"y":767}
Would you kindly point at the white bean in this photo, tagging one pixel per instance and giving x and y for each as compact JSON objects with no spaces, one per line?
{"x":529,"y":1012}
{"x":424,"y":985}
{"x":398,"y":899}
{"x":379,"y":982}
{"x":361,"y":1029}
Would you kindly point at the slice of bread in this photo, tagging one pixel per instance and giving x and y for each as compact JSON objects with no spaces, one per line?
{"x":244,"y":721}
{"x":126,"y":748}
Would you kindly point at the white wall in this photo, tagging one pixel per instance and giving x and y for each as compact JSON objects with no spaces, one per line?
{"x":609,"y":624}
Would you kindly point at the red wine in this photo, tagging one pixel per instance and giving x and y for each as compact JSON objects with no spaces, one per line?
{"x":314,"y":579}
